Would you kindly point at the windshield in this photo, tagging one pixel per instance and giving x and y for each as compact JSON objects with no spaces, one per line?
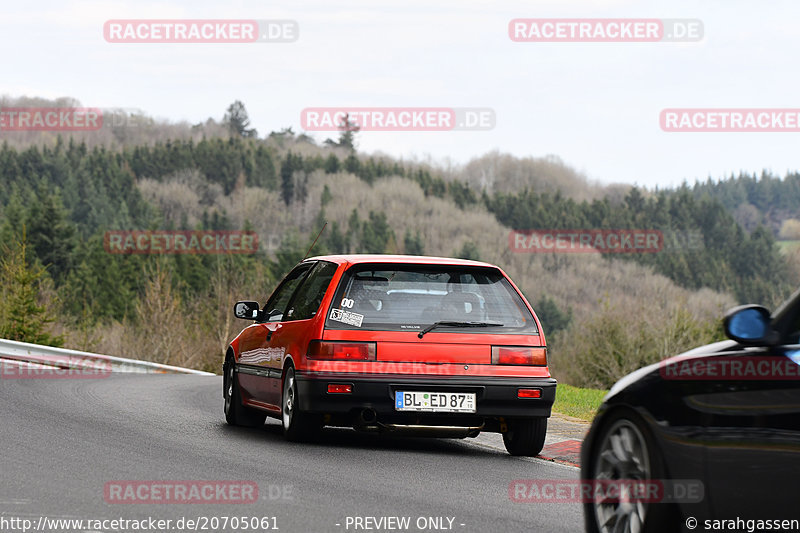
{"x":413,"y":297}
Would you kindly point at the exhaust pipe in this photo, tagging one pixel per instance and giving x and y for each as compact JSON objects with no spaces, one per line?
{"x":368,"y":417}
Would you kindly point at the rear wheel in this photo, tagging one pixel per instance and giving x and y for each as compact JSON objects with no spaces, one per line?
{"x":297,"y":425}
{"x":525,"y":436}
{"x":237,"y":414}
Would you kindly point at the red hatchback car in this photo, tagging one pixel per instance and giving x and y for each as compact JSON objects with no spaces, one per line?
{"x":406,"y":344}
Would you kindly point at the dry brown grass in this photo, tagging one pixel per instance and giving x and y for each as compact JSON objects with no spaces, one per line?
{"x":597,"y":290}
{"x":579,"y":281}
{"x":497,"y":172}
{"x":169,"y":330}
{"x":600,"y":292}
{"x":654,"y":317}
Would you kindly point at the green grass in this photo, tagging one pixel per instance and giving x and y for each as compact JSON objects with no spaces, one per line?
{"x":577,"y":402}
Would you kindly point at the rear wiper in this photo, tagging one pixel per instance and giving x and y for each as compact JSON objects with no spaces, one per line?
{"x":454,"y":324}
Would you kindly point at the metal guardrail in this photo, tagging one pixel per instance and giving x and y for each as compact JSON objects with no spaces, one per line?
{"x":26,"y":354}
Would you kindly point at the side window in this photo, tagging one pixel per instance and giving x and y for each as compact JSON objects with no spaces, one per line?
{"x":308,"y":297}
{"x":276,"y":305}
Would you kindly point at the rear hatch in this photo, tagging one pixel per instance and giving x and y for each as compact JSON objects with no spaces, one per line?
{"x":433,"y":314}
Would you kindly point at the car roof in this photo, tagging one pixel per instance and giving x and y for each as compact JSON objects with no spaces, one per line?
{"x":398,"y":259}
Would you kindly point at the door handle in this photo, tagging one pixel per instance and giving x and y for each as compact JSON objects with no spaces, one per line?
{"x":269,"y":334}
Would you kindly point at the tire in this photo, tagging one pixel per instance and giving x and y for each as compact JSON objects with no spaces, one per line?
{"x":625,"y":450}
{"x":237,"y":414}
{"x":525,"y":436}
{"x":298,"y":426}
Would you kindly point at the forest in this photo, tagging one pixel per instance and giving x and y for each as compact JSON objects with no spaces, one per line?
{"x":603,"y":314}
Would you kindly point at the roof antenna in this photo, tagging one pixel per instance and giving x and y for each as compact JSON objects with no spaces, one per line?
{"x":315,"y":240}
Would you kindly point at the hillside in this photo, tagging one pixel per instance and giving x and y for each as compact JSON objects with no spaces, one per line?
{"x":766,"y":199}
{"x":59,"y":195}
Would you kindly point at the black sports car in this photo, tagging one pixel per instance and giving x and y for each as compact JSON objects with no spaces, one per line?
{"x":717,"y":429}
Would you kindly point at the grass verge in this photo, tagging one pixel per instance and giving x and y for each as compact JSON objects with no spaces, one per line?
{"x":578,"y":402}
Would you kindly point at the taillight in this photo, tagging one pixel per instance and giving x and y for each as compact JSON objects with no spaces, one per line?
{"x":340,"y":388}
{"x":341,"y":351}
{"x":528,"y":393}
{"x":519,"y":355}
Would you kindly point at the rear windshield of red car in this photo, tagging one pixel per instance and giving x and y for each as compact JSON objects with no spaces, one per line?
{"x":413,"y":297}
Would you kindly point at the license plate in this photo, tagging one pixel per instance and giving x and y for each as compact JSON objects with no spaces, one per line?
{"x":435,"y":402}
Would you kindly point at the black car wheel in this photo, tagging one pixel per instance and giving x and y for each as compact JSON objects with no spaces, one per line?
{"x":525,"y":436}
{"x":237,"y":414}
{"x":297,"y":425}
{"x":625,"y":452}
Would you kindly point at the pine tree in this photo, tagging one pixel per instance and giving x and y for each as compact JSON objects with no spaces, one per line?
{"x":287,"y":181}
{"x":412,"y":244}
{"x":23,"y":315}
{"x":327,"y":196}
{"x":237,"y":120}
{"x":469,"y":251}
{"x":347,"y":133}
{"x":332,"y":165}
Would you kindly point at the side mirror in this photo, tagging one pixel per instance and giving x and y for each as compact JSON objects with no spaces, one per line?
{"x":246,"y":310}
{"x":749,"y":325}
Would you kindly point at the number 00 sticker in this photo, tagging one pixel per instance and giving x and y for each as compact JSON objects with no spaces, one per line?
{"x":348,"y":303}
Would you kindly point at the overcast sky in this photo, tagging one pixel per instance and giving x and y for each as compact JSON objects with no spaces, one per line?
{"x":595,"y":105}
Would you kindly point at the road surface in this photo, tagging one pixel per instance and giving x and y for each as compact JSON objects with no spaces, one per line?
{"x":66,"y":441}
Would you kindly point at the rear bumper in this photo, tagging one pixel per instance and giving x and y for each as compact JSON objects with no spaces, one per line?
{"x":496,"y":396}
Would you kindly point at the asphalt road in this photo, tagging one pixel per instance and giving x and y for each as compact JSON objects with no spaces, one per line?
{"x":64,"y":440}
